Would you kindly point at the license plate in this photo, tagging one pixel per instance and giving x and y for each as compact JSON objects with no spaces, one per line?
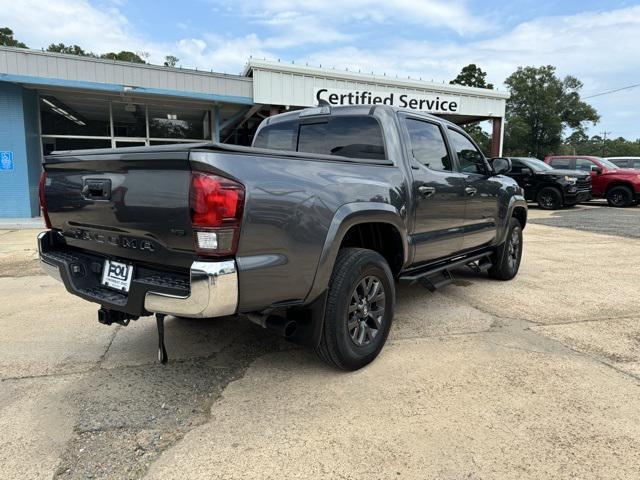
{"x":117,"y":275}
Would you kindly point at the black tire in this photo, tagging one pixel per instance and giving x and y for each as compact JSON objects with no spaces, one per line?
{"x":549,"y":198}
{"x":620,"y":197}
{"x":337,"y":346}
{"x":508,"y":255}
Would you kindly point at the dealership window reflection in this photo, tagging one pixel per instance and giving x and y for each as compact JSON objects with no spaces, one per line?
{"x":71,"y":122}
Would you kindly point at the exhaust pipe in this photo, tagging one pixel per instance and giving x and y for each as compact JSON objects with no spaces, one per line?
{"x":281,"y":326}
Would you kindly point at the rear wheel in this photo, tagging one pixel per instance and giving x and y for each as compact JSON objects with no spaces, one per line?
{"x":549,"y":198}
{"x":359,"y":309}
{"x":508,"y":255}
{"x":620,"y":197}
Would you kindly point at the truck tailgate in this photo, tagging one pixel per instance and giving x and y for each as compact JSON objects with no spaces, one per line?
{"x":133,"y":206}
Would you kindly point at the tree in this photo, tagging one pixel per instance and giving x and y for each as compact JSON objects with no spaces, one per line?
{"x":541,"y":107}
{"x":472,"y":76}
{"x":69,"y":49}
{"x":7,"y":40}
{"x":124,"y":56}
{"x":171,"y":61}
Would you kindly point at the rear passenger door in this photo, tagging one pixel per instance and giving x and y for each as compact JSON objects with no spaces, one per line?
{"x":437,"y":191}
{"x":481,"y":191}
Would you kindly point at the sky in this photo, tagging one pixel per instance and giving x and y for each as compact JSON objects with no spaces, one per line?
{"x":595,"y":40}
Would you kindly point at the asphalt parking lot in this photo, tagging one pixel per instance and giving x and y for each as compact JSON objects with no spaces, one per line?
{"x":534,"y":378}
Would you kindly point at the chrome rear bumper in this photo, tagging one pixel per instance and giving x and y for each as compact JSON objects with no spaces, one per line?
{"x":214,"y":293}
{"x":212,"y":289}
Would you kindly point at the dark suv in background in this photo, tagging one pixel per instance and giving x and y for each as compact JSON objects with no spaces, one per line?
{"x":550,"y":188}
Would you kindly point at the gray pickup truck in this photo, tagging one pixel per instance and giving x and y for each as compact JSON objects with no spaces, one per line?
{"x":306,"y":233}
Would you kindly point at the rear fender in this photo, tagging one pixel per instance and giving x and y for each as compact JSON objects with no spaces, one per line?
{"x":346,"y":217}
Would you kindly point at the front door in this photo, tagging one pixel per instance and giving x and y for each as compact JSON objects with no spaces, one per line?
{"x":481,"y":191}
{"x":598,"y":184}
{"x":438,"y":191}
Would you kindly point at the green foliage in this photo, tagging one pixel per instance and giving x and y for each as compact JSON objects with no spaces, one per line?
{"x":7,"y":40}
{"x":171,"y":61}
{"x":541,"y":107}
{"x":124,"y":56}
{"x":580,"y":144}
{"x":472,"y":76}
{"x":69,"y":49}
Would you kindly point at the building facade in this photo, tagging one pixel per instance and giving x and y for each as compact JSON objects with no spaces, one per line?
{"x":51,"y":101}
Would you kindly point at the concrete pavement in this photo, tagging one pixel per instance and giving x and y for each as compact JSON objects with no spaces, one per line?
{"x":534,"y":378}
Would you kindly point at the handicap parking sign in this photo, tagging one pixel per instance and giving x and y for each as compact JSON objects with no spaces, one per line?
{"x":6,"y":160}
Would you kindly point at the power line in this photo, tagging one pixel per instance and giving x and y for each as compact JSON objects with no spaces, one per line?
{"x":613,"y":91}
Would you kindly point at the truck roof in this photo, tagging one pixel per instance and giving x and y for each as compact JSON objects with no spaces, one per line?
{"x":338,"y":110}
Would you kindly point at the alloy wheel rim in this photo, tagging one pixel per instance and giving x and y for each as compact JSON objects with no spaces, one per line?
{"x":513,"y":248}
{"x":365,"y":313}
{"x":547,"y":200}
{"x":618,"y":199}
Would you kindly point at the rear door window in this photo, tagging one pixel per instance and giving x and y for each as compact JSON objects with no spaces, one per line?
{"x":427,"y":145}
{"x":561,"y":163}
{"x":279,"y":136}
{"x":349,"y":136}
{"x":635,"y":163}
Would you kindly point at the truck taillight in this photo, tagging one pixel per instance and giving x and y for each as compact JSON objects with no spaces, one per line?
{"x":43,"y":200}
{"x":216,"y":205}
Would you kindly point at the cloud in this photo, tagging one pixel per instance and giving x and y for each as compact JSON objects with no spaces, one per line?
{"x":432,"y":39}
{"x":450,"y":14}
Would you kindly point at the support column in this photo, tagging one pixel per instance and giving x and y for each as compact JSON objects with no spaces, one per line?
{"x":22,"y":160}
{"x":216,"y":123}
{"x":496,"y":137}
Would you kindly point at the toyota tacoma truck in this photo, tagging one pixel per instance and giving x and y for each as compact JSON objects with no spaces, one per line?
{"x":306,"y":232}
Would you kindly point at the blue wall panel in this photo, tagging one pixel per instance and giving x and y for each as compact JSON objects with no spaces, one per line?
{"x":19,"y":134}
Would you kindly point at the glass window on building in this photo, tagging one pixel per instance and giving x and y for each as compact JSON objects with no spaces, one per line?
{"x":129,"y":119}
{"x":179,"y":123}
{"x":74,"y":115}
{"x":52,"y":144}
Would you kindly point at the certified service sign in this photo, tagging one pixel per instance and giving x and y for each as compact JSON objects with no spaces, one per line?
{"x":426,"y":102}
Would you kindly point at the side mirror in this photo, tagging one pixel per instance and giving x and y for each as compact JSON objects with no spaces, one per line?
{"x":596,"y":169}
{"x":527,"y":171}
{"x":500,"y":165}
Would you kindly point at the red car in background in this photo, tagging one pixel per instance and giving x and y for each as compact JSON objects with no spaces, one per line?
{"x":620,"y":186}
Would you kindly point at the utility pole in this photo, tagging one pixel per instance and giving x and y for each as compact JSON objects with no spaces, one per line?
{"x":604,"y":141}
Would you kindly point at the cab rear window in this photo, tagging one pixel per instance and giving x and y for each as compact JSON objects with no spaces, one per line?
{"x":279,"y":136}
{"x":348,"y":136}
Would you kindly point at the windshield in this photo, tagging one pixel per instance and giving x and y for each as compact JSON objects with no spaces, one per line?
{"x":608,"y":164}
{"x":537,"y":165}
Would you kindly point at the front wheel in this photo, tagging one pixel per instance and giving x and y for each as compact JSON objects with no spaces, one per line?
{"x":508,"y":255}
{"x":620,"y":197}
{"x":549,"y":198}
{"x":359,"y":309}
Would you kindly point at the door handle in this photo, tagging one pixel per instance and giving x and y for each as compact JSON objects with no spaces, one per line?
{"x":470,"y":190}
{"x":426,"y":191}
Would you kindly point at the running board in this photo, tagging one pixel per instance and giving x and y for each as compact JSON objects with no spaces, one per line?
{"x":436,"y":277}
